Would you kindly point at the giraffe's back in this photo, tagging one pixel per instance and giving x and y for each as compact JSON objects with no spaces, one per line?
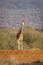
{"x":18,"y":34}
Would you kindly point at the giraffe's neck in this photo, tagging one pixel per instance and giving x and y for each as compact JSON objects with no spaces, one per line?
{"x":22,"y":29}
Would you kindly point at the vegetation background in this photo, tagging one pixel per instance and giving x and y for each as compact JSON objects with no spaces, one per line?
{"x":32,"y":38}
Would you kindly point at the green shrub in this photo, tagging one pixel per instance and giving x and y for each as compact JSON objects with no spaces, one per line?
{"x":31,"y":36}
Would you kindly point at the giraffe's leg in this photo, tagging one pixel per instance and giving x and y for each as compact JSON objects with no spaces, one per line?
{"x":18,"y":45}
{"x":21,"y":45}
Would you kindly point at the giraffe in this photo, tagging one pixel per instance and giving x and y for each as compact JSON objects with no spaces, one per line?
{"x":19,"y":36}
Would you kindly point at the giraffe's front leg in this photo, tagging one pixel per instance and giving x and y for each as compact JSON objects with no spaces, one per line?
{"x":21,"y":45}
{"x":18,"y":45}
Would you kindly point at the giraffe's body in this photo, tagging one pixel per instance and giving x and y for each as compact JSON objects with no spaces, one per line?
{"x":20,"y":36}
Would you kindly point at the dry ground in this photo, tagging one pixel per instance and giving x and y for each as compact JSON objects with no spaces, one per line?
{"x":25,"y":56}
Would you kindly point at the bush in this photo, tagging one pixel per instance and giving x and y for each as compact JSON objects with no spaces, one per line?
{"x":31,"y":36}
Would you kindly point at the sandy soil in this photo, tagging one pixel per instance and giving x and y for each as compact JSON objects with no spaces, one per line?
{"x":22,"y":56}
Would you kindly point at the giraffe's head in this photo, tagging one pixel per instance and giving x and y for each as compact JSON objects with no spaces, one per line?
{"x":22,"y":22}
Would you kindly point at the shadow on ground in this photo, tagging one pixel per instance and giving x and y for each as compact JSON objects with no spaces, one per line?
{"x":34,"y":63}
{"x":10,"y":62}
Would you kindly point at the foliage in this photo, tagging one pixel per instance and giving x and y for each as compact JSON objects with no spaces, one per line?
{"x":7,"y":40}
{"x":32,"y":38}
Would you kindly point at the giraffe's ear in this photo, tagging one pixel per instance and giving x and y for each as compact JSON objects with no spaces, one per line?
{"x":22,"y":20}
